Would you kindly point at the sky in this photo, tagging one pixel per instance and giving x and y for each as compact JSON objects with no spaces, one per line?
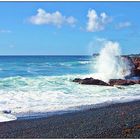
{"x":68,"y":28}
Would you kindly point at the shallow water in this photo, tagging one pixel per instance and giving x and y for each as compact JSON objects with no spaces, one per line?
{"x":39,"y":84}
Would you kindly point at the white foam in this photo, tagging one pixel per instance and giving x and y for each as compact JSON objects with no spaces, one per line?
{"x":84,"y":62}
{"x":30,"y":95}
{"x":6,"y":117}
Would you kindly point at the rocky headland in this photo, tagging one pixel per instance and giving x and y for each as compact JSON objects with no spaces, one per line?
{"x":133,"y":78}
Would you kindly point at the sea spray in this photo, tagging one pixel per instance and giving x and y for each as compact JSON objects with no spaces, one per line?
{"x":110,"y":64}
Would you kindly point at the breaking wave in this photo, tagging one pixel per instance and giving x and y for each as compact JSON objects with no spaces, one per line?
{"x":29,"y":95}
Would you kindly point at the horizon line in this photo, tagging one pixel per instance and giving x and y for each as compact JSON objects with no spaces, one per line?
{"x":60,"y":54}
{"x":45,"y":55}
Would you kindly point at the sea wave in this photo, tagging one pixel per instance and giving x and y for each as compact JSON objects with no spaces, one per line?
{"x":84,"y":62}
{"x":29,"y":95}
{"x":6,"y":117}
{"x":69,"y":64}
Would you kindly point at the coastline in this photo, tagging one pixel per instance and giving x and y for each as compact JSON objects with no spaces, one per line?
{"x":120,"y":120}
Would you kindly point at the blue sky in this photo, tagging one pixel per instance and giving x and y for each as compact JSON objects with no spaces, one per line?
{"x":67,"y":28}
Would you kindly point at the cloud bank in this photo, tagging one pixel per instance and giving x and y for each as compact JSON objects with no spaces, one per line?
{"x":56,"y":18}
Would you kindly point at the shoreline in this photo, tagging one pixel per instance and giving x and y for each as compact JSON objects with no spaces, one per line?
{"x":71,"y":110}
{"x":119,"y":120}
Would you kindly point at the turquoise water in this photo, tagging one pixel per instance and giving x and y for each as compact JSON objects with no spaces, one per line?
{"x":31,"y":66}
{"x":32,"y":85}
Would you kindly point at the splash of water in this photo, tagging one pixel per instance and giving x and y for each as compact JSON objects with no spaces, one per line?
{"x":110,"y":64}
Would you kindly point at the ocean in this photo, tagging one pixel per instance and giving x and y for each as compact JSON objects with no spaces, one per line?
{"x":33,"y":86}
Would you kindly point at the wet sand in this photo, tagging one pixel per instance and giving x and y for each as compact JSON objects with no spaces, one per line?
{"x":113,"y":121}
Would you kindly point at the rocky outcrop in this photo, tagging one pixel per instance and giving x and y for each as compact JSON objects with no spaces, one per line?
{"x":134,"y":62}
{"x":112,"y":82}
{"x":135,"y":72}
{"x":123,"y":82}
{"x":136,"y":68}
{"x":90,"y":81}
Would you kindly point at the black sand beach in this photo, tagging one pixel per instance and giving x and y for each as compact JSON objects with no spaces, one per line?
{"x":114,"y":121}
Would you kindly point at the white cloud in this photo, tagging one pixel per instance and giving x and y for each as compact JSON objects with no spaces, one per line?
{"x":56,"y":18}
{"x":123,"y":25}
{"x":5,"y":31}
{"x":97,"y":22}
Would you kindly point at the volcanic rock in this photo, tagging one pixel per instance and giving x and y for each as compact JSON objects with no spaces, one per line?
{"x":136,"y":68}
{"x":123,"y":82}
{"x":90,"y":81}
{"x":134,"y":62}
{"x":112,"y":82}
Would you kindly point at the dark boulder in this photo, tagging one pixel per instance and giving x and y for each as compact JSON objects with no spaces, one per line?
{"x":123,"y":82}
{"x":90,"y":81}
{"x":78,"y":80}
{"x":7,"y":111}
